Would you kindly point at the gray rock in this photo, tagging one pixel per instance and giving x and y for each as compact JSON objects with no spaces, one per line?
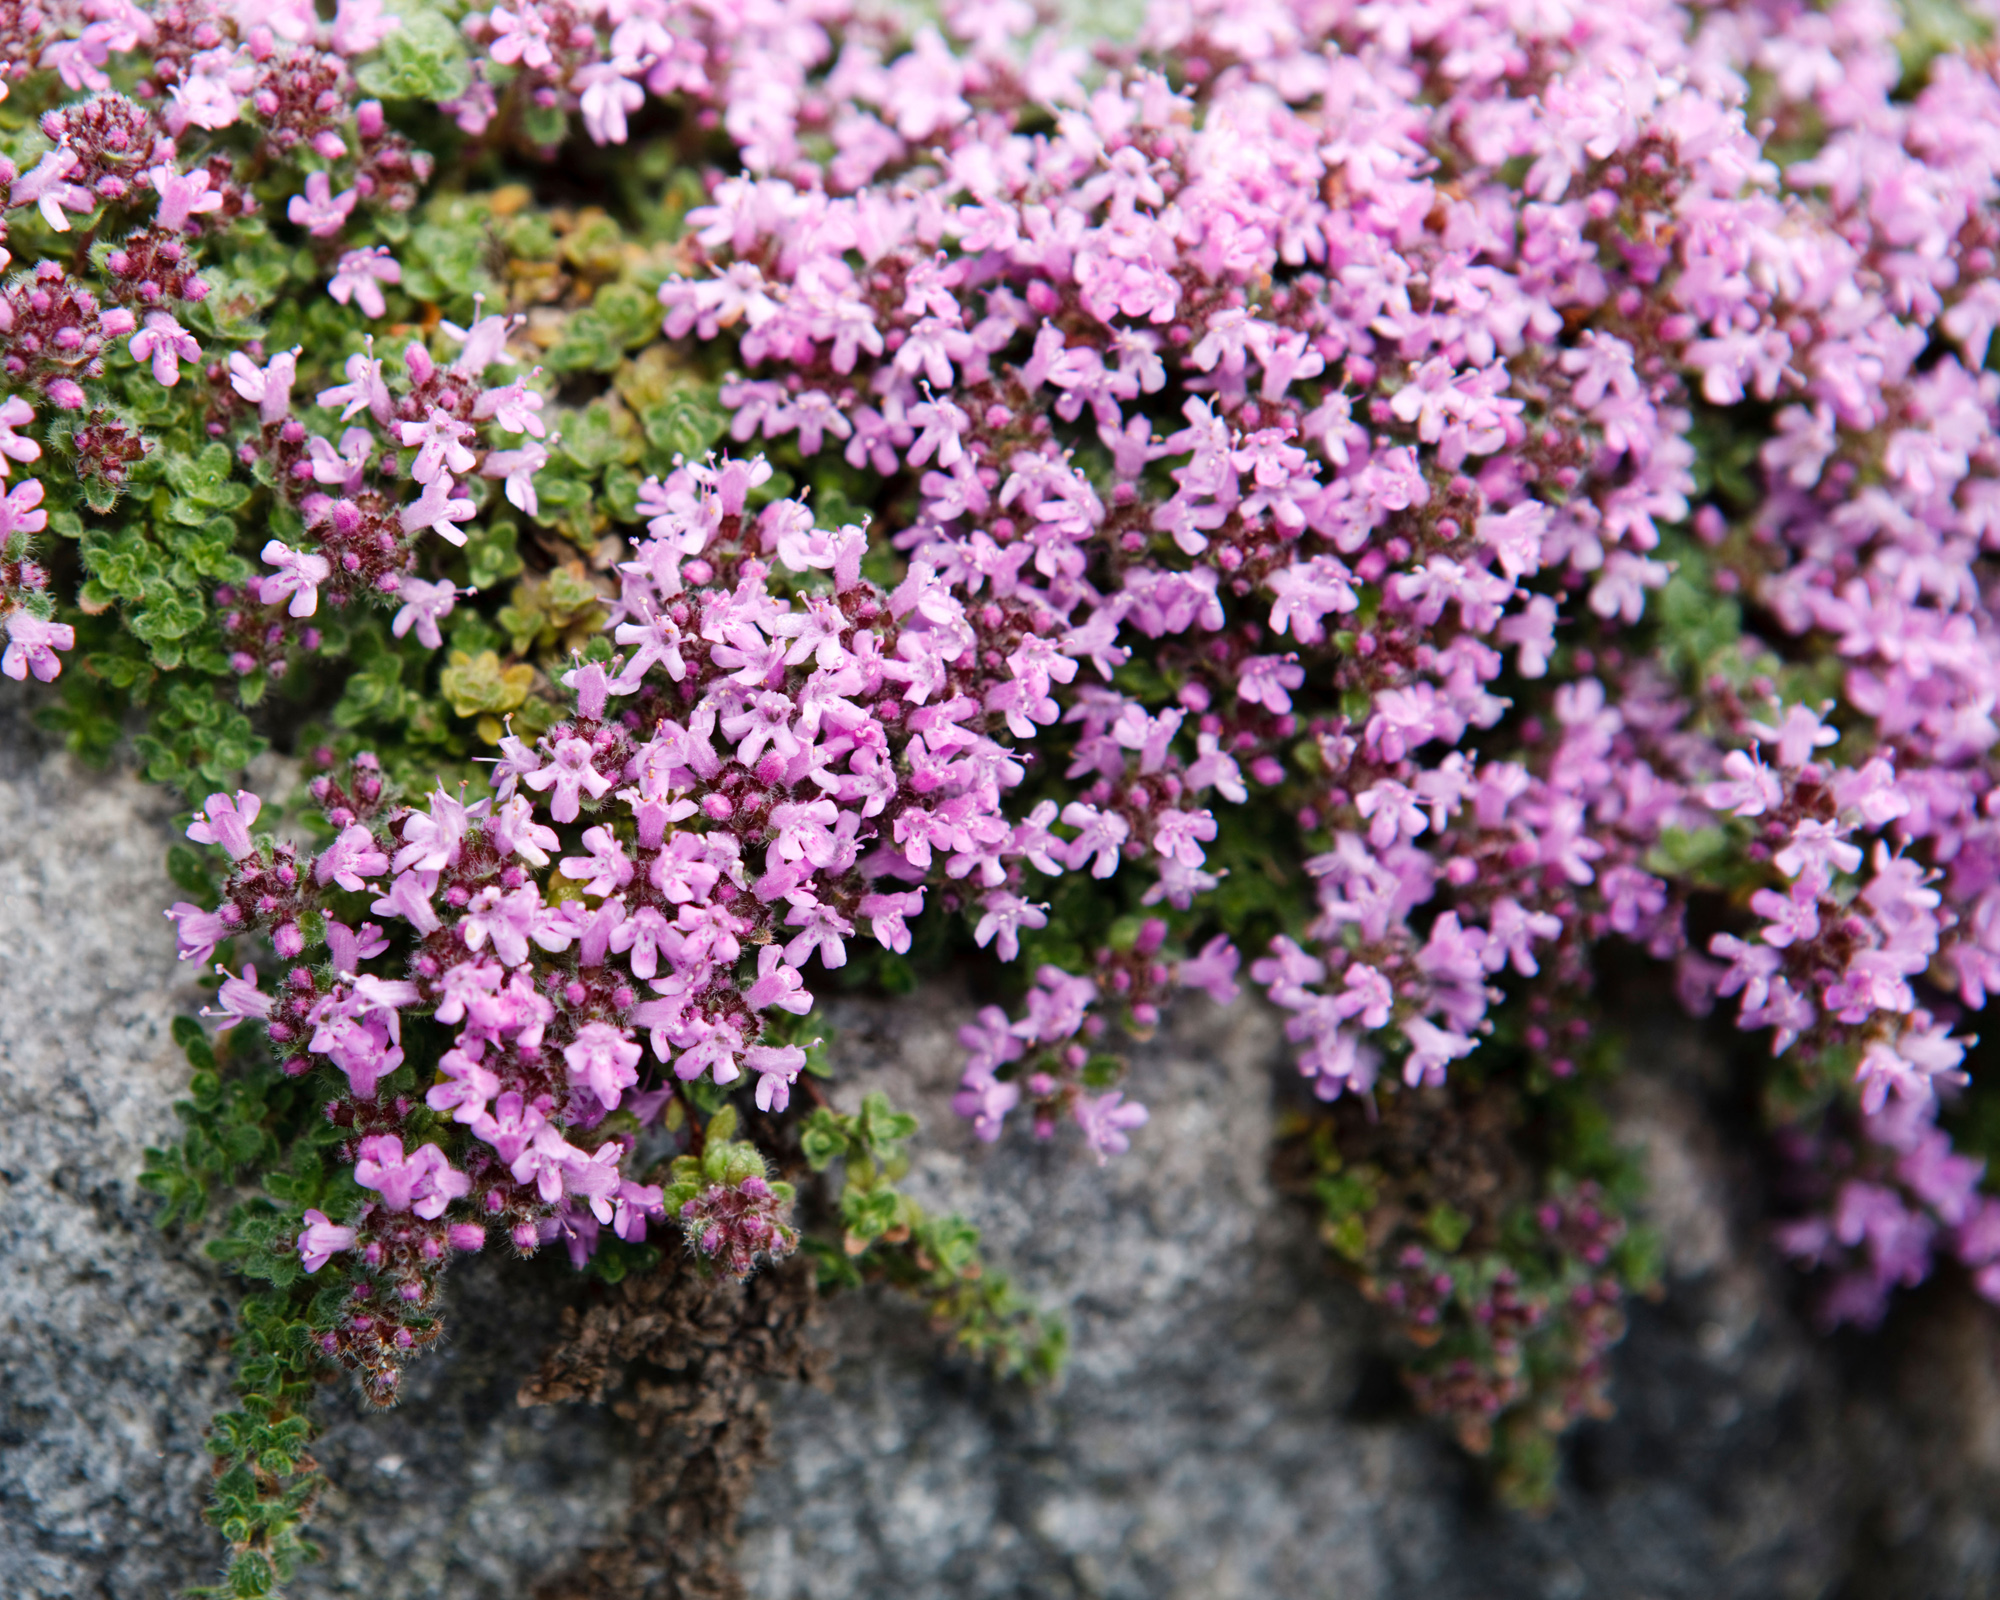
{"x":114,"y":1335}
{"x":1229,"y":1426}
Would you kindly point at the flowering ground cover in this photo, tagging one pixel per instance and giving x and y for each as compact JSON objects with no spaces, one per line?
{"x":1420,"y":511}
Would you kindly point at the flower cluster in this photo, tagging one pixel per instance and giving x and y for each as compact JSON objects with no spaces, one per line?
{"x":1229,"y":381}
{"x":1373,"y":500}
{"x":180,"y":109}
{"x":531,"y":1062}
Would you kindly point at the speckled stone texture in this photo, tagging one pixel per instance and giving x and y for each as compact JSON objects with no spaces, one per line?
{"x":1230,"y":1424}
{"x":112,"y":1352}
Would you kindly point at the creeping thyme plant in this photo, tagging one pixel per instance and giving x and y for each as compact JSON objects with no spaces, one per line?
{"x":1404,"y":508}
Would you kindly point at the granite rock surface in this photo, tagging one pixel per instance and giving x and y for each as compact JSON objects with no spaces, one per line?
{"x":1229,"y":1425}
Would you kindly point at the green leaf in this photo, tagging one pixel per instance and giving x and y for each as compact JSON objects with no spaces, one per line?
{"x":491,"y":554}
{"x":194,"y":1043}
{"x":424,"y":59}
{"x":188,"y":867}
{"x":686,"y":423}
{"x":1447,"y":1226}
{"x":824,"y":1139}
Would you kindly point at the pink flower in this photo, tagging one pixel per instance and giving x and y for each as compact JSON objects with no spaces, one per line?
{"x":299,"y":574}
{"x":986,"y":1101}
{"x":319,"y":210}
{"x":1179,"y":836}
{"x":322,"y":1239}
{"x":886,"y":914}
{"x":777,"y":1068}
{"x":520,"y":36}
{"x":352,"y":857}
{"x":516,"y":469}
{"x":359,"y":276}
{"x":504,"y":918}
{"x":16,"y":413}
{"x":1269,"y":680}
{"x":241,"y":999}
{"x":32,"y":643}
{"x":269,"y":387}
{"x":1003,"y":915}
{"x":777,"y":985}
{"x":570,"y":774}
{"x":607,"y":97}
{"x":604,"y":1060}
{"x":513,"y":407}
{"x":166,"y":343}
{"x":198,"y":932}
{"x":359,"y":26}
{"x":1101,"y":835}
{"x":466,"y":1090}
{"x":47,"y":186}
{"x":1106,"y":1120}
{"x":1213,"y":970}
{"x":1751,"y":790}
{"x":183,"y":196}
{"x":607,"y":868}
{"x":226,"y":822}
{"x":424,"y":1181}
{"x":1816,"y":851}
{"x":424,"y":606}
{"x":438,"y":509}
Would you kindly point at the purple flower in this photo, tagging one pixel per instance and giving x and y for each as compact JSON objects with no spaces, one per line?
{"x":166,"y":343}
{"x":183,"y":196}
{"x":604,"y":1060}
{"x":424,"y":1181}
{"x":32,"y":643}
{"x":1105,"y":1120}
{"x":319,"y":210}
{"x":226,"y":822}
{"x":241,"y":1000}
{"x":352,"y":857}
{"x":198,"y":932}
{"x":321,"y":1239}
{"x":570,"y":774}
{"x":424,"y":606}
{"x":359,"y":276}
{"x":268,"y":387}
{"x":439,"y":509}
{"x":299,"y":574}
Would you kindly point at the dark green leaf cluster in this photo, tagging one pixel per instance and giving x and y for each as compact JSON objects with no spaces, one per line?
{"x":254,"y":1135}
{"x":886,"y":1236}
